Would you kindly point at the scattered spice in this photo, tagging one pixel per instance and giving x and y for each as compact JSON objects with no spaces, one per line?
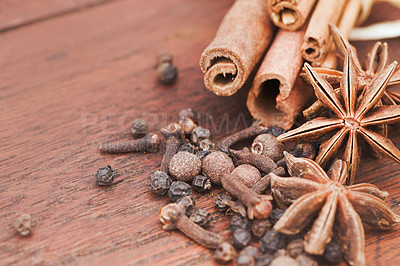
{"x":173,"y":216}
{"x":221,"y":202}
{"x":258,"y":206}
{"x":179,"y":189}
{"x":306,"y":260}
{"x":139,"y":128}
{"x":260,"y":227}
{"x":284,"y":260}
{"x":262,"y":163}
{"x":268,"y":145}
{"x":216,"y":164}
{"x":188,"y":147}
{"x":224,"y":253}
{"x":275,"y":215}
{"x":313,"y":191}
{"x":241,"y":238}
{"x":105,"y":176}
{"x":184,"y":166}
{"x":296,"y":247}
{"x":199,"y":134}
{"x":239,"y":221}
{"x":333,"y":252}
{"x":201,"y":217}
{"x":23,"y":224}
{"x":188,"y":203}
{"x":166,"y":71}
{"x":248,"y":174}
{"x":172,"y":133}
{"x":272,"y":241}
{"x":160,"y":182}
{"x":150,"y":143}
{"x":201,"y":183}
{"x":265,"y":181}
{"x":254,"y":130}
{"x":265,"y":259}
{"x":206,"y":145}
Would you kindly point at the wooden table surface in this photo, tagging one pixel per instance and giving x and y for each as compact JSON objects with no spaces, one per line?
{"x":76,"y":73}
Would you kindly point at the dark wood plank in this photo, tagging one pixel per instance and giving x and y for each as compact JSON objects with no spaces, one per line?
{"x":69,"y":83}
{"x":16,"y":13}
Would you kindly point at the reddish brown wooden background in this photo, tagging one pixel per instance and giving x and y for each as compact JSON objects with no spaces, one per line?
{"x":76,"y":73}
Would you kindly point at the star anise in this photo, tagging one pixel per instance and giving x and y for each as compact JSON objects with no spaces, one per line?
{"x":376,"y":61}
{"x":359,"y":116}
{"x":337,"y":208}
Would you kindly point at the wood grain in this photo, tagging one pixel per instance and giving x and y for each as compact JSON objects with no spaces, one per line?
{"x":73,"y":81}
{"x":17,"y":13}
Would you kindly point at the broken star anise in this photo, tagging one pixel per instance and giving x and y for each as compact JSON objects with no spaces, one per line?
{"x":314,"y":194}
{"x":360,"y":115}
{"x":376,"y":61}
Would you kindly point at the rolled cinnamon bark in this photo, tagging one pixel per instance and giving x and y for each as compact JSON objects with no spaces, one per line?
{"x":316,"y":39}
{"x":289,"y":14}
{"x":241,"y":40}
{"x":274,"y":98}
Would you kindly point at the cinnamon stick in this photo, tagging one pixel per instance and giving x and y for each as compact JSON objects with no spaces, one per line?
{"x":316,"y":40}
{"x":289,"y":14}
{"x":274,"y":98}
{"x":241,"y":40}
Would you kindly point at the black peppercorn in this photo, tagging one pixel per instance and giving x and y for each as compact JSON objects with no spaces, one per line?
{"x":139,"y":128}
{"x":239,"y":221}
{"x":241,"y":238}
{"x":275,"y":215}
{"x":188,"y":204}
{"x":188,"y":147}
{"x":105,"y":176}
{"x":265,"y":259}
{"x":201,"y":217}
{"x":167,"y":72}
{"x":179,"y":189}
{"x":159,"y":182}
{"x":272,"y":241}
{"x":260,"y":226}
{"x":220,"y":201}
{"x":333,"y":253}
{"x":276,"y":131}
{"x":201,"y":183}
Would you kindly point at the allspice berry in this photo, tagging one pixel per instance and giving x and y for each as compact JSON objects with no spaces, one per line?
{"x":216,"y":164}
{"x":184,"y":166}
{"x":268,"y":145}
{"x":284,"y":260}
{"x":248,"y":174}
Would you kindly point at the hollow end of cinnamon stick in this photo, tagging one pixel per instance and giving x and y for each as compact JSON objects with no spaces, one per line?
{"x":224,"y":71}
{"x":289,"y":15}
{"x":313,"y":49}
{"x":272,"y":101}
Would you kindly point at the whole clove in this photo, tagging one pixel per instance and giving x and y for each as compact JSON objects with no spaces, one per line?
{"x":139,"y":128}
{"x":265,"y":181}
{"x":258,"y":206}
{"x":250,"y":132}
{"x":166,"y":71}
{"x":261,"y":162}
{"x":172,"y":133}
{"x":173,"y":216}
{"x":150,"y":143}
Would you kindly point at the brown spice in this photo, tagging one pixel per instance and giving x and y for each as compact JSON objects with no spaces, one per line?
{"x":23,"y":224}
{"x":184,"y":166}
{"x":248,"y":174}
{"x":265,"y":181}
{"x":258,"y":206}
{"x":295,"y":248}
{"x":216,"y":164}
{"x":172,"y":133}
{"x":254,"y":130}
{"x":262,"y":163}
{"x":150,"y":143}
{"x":268,"y":145}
